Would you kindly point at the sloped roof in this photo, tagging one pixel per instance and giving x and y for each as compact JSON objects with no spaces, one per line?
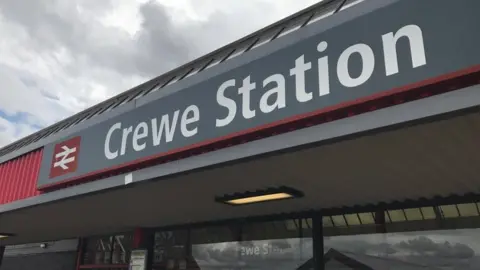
{"x":296,"y":21}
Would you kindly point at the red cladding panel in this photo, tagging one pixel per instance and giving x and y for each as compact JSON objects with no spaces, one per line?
{"x":18,"y":177}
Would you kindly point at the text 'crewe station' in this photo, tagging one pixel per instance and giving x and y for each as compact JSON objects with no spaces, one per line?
{"x":235,"y":95}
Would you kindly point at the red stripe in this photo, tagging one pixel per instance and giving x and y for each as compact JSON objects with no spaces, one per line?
{"x":137,"y":237}
{"x":104,"y":266}
{"x":400,"y":90}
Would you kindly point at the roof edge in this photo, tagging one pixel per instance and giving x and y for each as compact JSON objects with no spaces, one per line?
{"x":276,"y":26}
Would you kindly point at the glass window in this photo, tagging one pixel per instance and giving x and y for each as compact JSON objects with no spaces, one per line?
{"x":396,"y":215}
{"x":339,"y":221}
{"x":443,"y":249}
{"x":413,"y":214}
{"x":97,"y":250}
{"x":259,"y":245}
{"x":428,"y":212}
{"x":271,"y":230}
{"x":468,"y":209}
{"x":307,"y":224}
{"x":449,"y":211}
{"x":366,"y":218}
{"x":171,"y":250}
{"x":108,"y":250}
{"x":352,"y":219}
{"x":327,"y":221}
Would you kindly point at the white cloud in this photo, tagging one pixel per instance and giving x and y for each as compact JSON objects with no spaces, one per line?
{"x":58,"y":57}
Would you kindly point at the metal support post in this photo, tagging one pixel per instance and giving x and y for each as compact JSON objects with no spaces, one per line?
{"x":318,"y":252}
{"x":2,"y":251}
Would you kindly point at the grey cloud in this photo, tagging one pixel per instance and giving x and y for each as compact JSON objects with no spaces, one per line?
{"x":424,"y":245}
{"x":41,"y":21}
{"x":160,"y":45}
{"x":73,"y":60}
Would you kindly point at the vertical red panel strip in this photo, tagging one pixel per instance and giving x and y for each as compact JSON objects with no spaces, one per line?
{"x":30,"y":173}
{"x":2,"y":178}
{"x":8,"y":179}
{"x":15,"y":183}
{"x":138,"y":236}
{"x":5,"y":169}
{"x":13,"y":180}
{"x":18,"y":177}
{"x":21,"y":192}
{"x":36,"y":172}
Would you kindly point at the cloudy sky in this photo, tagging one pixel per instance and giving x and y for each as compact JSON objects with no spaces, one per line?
{"x":58,"y":57}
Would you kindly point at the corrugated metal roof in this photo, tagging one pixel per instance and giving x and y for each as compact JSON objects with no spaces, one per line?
{"x":288,"y":25}
{"x":18,"y":177}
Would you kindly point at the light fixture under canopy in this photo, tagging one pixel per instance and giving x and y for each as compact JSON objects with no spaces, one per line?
{"x":258,"y":196}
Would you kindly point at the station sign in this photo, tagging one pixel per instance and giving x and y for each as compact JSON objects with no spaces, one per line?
{"x":376,"y":53}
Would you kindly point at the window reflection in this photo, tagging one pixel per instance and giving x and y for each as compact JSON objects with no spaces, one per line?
{"x":447,"y":249}
{"x":108,"y":250}
{"x":280,"y":245}
{"x":170,"y":250}
{"x":289,"y":253}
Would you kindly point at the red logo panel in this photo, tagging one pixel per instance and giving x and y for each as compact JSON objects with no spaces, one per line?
{"x":65,"y":157}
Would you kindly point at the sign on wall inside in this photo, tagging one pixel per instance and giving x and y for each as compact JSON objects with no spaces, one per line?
{"x":138,"y":259}
{"x":393,"y":46}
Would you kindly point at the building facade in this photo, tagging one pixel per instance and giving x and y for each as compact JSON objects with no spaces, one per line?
{"x":342,"y":137}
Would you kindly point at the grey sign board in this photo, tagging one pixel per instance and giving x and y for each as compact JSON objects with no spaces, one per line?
{"x":373,"y":53}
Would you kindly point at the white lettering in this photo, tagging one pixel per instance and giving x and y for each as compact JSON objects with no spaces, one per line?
{"x":251,"y":251}
{"x":186,"y":120}
{"x":299,"y":73}
{"x":266,"y":249}
{"x":278,"y":91}
{"x":417,"y":48}
{"x":244,"y":90}
{"x":368,"y":65}
{"x":64,"y":157}
{"x":140,"y":132}
{"x":323,"y":71}
{"x":354,"y":67}
{"x":261,"y":249}
{"x":164,"y":127}
{"x":227,"y":103}
{"x":126,"y":132}
{"x":108,"y":153}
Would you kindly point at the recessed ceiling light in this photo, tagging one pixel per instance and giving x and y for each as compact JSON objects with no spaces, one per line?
{"x":270,"y":194}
